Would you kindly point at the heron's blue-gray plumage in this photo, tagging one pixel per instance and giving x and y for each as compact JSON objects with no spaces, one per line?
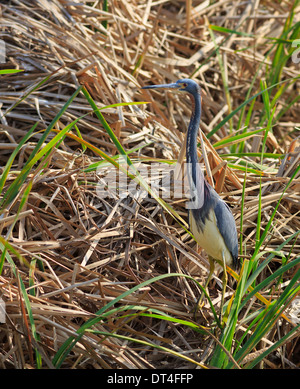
{"x":225,"y":221}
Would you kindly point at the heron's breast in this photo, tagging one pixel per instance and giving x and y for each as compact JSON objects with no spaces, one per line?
{"x":209,"y":237}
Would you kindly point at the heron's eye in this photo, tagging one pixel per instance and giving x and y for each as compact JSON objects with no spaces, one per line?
{"x":184,"y":84}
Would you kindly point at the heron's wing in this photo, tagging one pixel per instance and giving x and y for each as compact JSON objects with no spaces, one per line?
{"x":227,"y":227}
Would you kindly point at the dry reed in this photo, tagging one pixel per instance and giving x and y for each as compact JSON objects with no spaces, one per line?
{"x":93,"y":249}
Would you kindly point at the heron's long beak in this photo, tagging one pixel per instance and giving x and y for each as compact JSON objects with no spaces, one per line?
{"x":167,"y":86}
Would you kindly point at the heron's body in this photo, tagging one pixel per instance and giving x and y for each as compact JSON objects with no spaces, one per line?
{"x":210,"y":219}
{"x":210,"y":238}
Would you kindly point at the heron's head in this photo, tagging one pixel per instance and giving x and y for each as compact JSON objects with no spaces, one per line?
{"x":183,"y":85}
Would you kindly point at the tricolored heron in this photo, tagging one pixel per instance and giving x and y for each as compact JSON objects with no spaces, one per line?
{"x":210,"y":219}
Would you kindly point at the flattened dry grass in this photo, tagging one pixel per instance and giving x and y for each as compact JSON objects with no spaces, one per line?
{"x":67,"y":253}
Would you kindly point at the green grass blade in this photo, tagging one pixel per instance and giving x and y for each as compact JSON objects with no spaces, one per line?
{"x":5,"y":247}
{"x":13,"y":156}
{"x":264,"y":155}
{"x":231,"y":114}
{"x":242,"y":33}
{"x":242,"y":213}
{"x":230,"y":140}
{"x":10,"y":71}
{"x":269,"y":279}
{"x":33,"y":89}
{"x":23,"y":201}
{"x":258,"y":222}
{"x":105,"y":8}
{"x":148,"y":344}
{"x":31,"y":277}
{"x":15,"y":187}
{"x":71,"y":341}
{"x":245,"y":168}
{"x":220,"y":358}
{"x":52,"y":124}
{"x":274,"y":347}
{"x":224,"y":79}
{"x":247,"y":120}
{"x":267,"y":228}
{"x":270,"y":316}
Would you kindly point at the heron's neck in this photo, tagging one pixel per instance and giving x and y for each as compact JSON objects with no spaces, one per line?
{"x":191,"y":144}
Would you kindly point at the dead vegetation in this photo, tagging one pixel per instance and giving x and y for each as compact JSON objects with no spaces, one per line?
{"x":75,"y":251}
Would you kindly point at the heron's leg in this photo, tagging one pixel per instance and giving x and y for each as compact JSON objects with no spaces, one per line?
{"x":224,"y":281}
{"x":210,"y":274}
